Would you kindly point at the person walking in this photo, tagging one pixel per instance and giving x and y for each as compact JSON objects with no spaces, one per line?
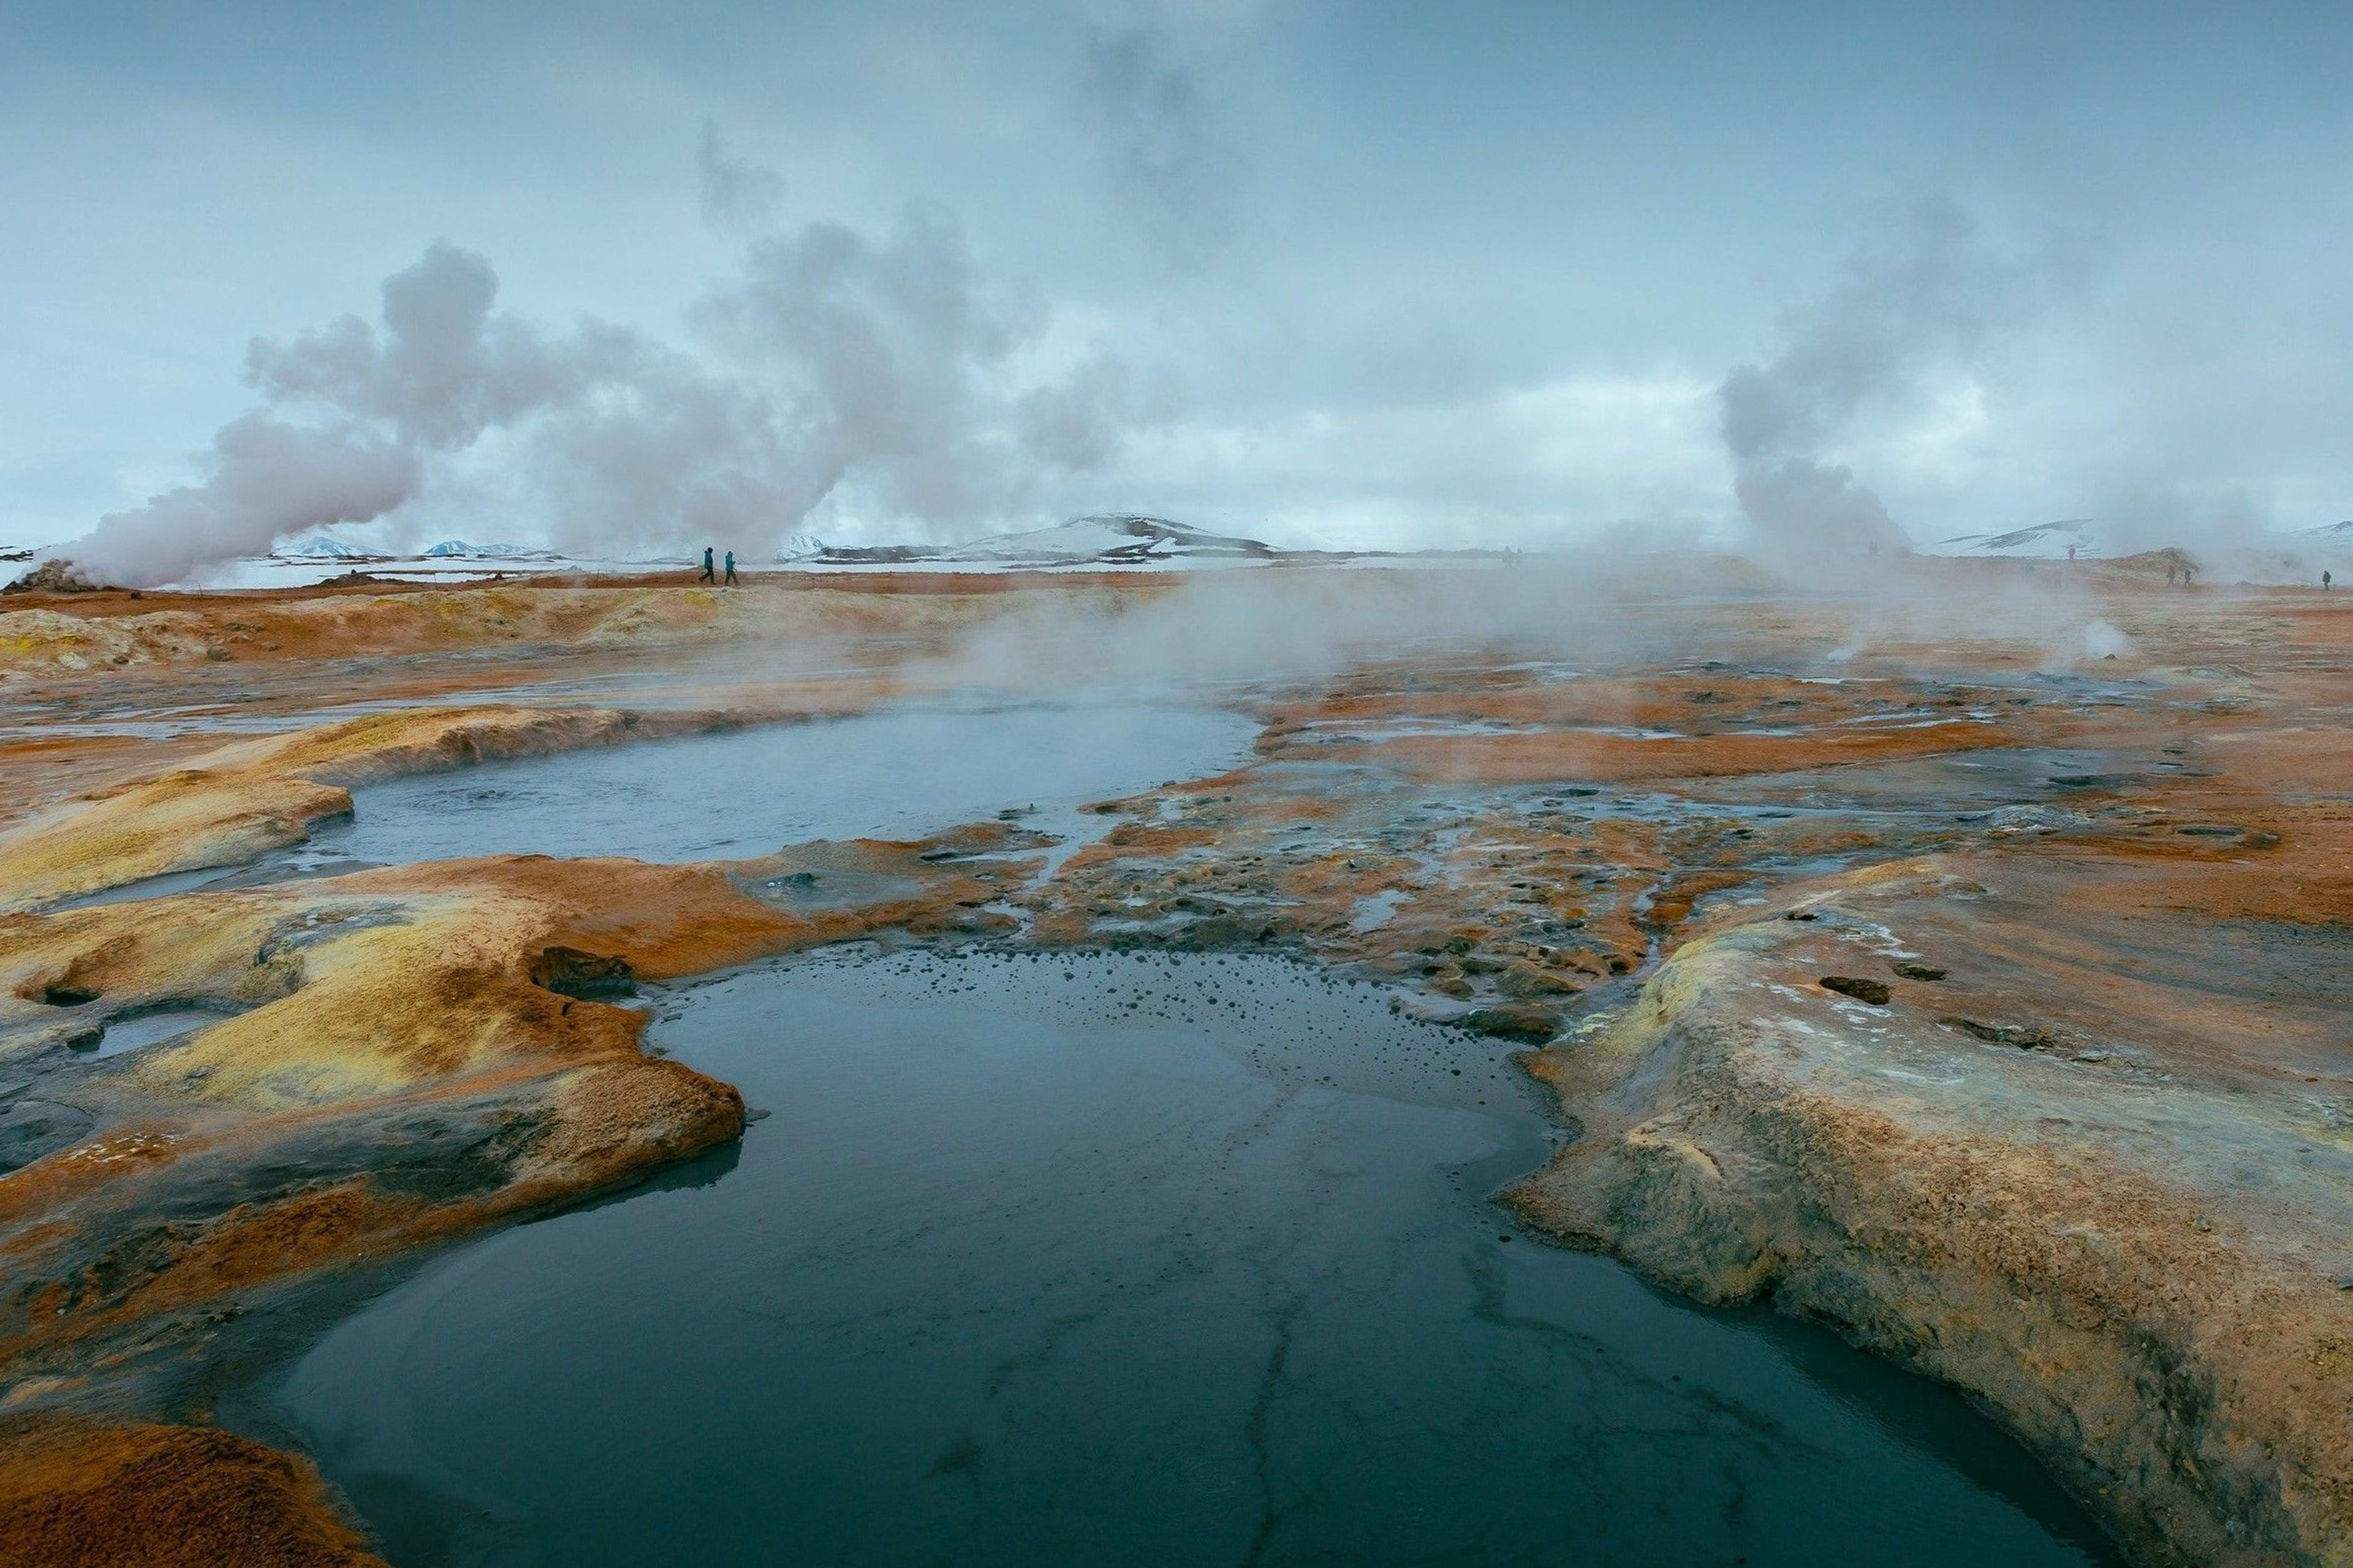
{"x":731,"y":571}
{"x":2324,"y":582}
{"x":706,"y":565}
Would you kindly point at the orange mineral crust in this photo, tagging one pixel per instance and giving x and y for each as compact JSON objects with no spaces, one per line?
{"x":1928,"y":967}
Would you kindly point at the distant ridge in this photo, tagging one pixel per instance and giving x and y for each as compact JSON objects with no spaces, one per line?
{"x":2041,"y":539}
{"x":458,"y":550}
{"x":321,"y":547}
{"x":1100,"y":539}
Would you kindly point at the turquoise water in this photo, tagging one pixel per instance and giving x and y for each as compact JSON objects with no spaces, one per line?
{"x":1104,"y":1259}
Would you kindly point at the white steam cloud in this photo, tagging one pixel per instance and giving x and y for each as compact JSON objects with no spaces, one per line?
{"x":1929,"y":301}
{"x":850,"y":362}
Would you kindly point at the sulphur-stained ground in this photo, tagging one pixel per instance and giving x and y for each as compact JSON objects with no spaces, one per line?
{"x":1973,"y":984}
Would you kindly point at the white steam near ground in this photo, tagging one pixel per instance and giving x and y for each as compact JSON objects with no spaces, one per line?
{"x":1220,"y":629}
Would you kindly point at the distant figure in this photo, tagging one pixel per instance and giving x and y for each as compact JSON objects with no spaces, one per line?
{"x":2070,"y":552}
{"x":2324,"y":582}
{"x":706,"y":566}
{"x":731,"y":571}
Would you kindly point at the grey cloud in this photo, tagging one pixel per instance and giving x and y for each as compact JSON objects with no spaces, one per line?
{"x":1081,"y":423}
{"x":736,"y":193}
{"x":1172,"y":172}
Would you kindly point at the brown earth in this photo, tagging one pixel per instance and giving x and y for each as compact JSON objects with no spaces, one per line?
{"x":2091,"y":1159}
{"x":116,"y":1495}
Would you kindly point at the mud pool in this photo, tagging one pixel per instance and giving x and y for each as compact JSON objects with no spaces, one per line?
{"x":1078,"y":1259}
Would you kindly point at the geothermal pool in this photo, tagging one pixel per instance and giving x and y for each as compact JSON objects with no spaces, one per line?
{"x":900,"y":773}
{"x":895,"y":774}
{"x":1100,"y":1259}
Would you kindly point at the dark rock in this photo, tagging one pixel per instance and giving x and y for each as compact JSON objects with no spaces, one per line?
{"x":568,"y":972}
{"x":1918,"y":971}
{"x":54,"y":577}
{"x":1525,"y":981}
{"x":1875,"y":992}
{"x":1801,"y":915}
{"x":2025,"y":1036}
{"x":1224,"y":931}
{"x":32,"y":1128}
{"x":1514,"y":1021}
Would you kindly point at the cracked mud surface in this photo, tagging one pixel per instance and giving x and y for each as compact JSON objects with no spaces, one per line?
{"x":2095,"y":1174}
{"x":1082,"y":1256}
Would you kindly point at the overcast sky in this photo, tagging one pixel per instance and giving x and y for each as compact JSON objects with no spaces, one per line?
{"x":1341,"y":273}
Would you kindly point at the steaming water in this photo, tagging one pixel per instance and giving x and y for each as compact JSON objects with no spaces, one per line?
{"x":739,"y":794}
{"x":899,"y":773}
{"x":1115,"y":1259}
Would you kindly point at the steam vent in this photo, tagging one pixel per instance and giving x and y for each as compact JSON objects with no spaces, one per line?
{"x":1244,"y":785}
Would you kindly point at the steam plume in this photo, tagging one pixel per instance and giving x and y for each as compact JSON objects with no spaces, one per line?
{"x":1895,"y":314}
{"x":878,"y":367}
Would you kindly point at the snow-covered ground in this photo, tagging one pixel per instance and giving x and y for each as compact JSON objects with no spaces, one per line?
{"x":2043,"y":541}
{"x":2286,"y":556}
{"x":1110,"y":542}
{"x":1131,"y":542}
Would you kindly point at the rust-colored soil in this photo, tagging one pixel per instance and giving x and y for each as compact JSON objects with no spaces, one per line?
{"x":84,"y":1494}
{"x":2088,"y":1156}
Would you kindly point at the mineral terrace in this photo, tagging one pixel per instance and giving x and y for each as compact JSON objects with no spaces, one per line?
{"x":1966,"y":988}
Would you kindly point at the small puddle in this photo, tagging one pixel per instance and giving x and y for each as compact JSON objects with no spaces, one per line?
{"x":141,"y":1029}
{"x":1101,"y":1258}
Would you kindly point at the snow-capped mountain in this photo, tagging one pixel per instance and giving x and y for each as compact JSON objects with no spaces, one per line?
{"x":321,"y":547}
{"x":2043,"y":540}
{"x":801,"y":547}
{"x":458,"y":550}
{"x":1109,"y":539}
